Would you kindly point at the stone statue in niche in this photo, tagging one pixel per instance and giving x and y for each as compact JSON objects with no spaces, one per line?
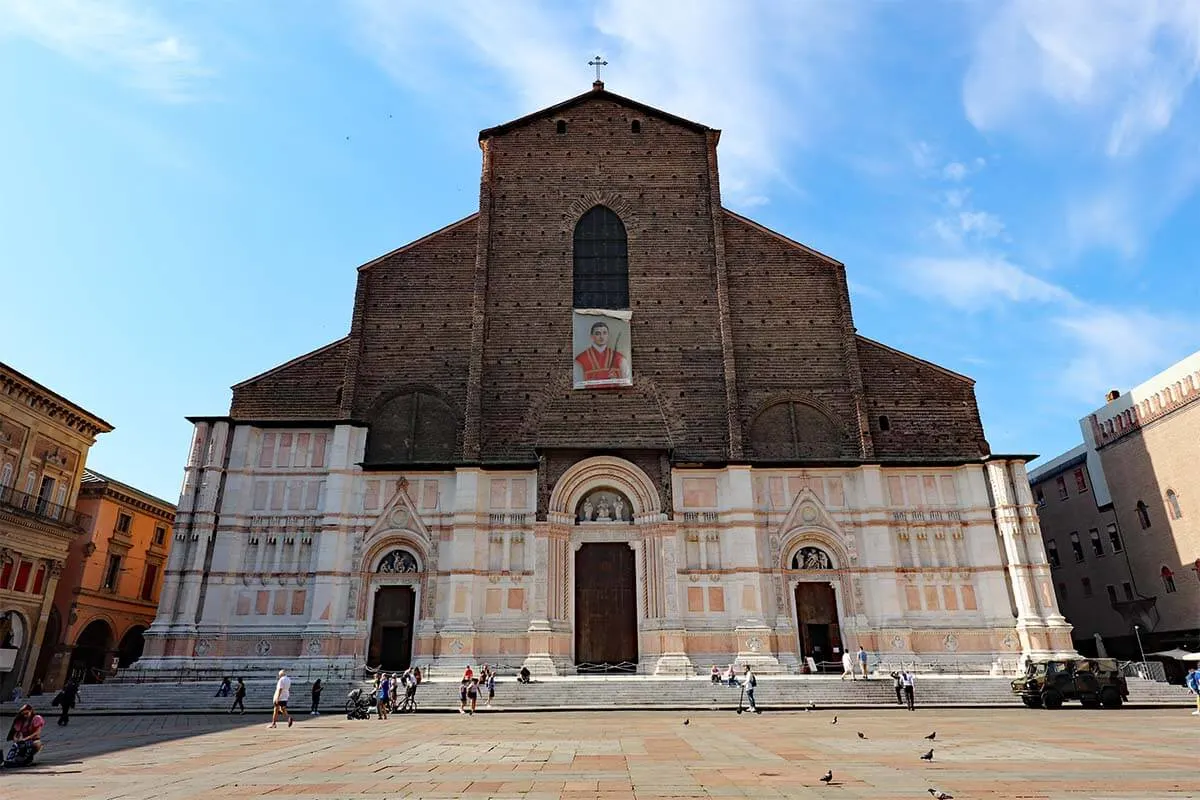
{"x":603,"y":506}
{"x":398,"y":561}
{"x":811,"y":558}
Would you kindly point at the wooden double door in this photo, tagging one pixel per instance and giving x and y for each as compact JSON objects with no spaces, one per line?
{"x":817,"y":621}
{"x":391,"y":642}
{"x":606,"y":635}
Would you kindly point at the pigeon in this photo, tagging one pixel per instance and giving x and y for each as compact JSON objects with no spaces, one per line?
{"x":932,"y":736}
{"x":812,"y":706}
{"x":927,"y":756}
{"x":862,"y":735}
{"x":686,"y":721}
{"x":827,"y":777}
{"x":834,"y":720}
{"x":937,"y":795}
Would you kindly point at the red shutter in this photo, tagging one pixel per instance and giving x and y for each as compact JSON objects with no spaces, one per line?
{"x":148,"y":582}
{"x":39,"y":579}
{"x":7,"y":573}
{"x":23,"y":576}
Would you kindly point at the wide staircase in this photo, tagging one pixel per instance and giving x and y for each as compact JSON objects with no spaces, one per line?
{"x":592,"y":693}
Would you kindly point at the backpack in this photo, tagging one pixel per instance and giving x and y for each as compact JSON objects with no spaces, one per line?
{"x":753,"y":681}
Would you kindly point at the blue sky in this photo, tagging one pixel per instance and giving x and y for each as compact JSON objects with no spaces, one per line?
{"x":188,"y":187}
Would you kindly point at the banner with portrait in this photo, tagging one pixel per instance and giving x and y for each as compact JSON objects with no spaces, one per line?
{"x":601,"y":348}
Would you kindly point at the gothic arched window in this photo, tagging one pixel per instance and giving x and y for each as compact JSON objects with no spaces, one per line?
{"x":1173,"y":504}
{"x":601,"y":261}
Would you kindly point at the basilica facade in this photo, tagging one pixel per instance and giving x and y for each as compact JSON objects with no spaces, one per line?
{"x":603,"y":424}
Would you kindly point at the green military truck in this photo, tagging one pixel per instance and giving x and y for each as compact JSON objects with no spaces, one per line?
{"x":1094,"y":682}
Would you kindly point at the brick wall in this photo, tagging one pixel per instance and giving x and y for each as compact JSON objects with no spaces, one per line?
{"x":412,"y":322}
{"x":698,"y":375}
{"x":1143,"y":466}
{"x":657,"y":182}
{"x":1077,"y":513}
{"x":932,"y":413}
{"x":790,"y":327}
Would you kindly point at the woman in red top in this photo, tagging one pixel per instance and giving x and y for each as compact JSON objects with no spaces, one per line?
{"x":26,"y":736}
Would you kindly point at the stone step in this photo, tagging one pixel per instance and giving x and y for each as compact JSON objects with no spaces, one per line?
{"x":592,"y":692}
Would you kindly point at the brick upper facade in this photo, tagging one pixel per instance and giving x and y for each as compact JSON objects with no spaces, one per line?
{"x":743,"y":343}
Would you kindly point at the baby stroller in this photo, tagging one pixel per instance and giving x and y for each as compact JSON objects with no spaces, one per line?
{"x":19,"y":755}
{"x":357,"y":706}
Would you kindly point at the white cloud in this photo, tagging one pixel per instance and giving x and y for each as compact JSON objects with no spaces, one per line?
{"x":978,"y":282}
{"x":1114,"y":348}
{"x":1098,"y":346}
{"x":124,"y":37}
{"x":716,"y":63}
{"x":1124,"y":65}
{"x":954,"y":171}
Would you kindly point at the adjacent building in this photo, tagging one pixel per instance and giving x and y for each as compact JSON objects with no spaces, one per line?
{"x":108,"y":593}
{"x":1120,"y":515}
{"x":603,"y":423}
{"x":44,"y":442}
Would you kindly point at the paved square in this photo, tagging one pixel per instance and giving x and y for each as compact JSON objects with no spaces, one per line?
{"x":1009,"y":754}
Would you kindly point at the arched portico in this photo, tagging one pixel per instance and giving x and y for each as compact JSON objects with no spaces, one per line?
{"x":396,"y":580}
{"x":599,"y":505}
{"x":813,"y":565}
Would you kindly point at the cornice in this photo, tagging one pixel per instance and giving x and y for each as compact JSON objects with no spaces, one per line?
{"x":29,"y":393}
{"x":109,"y":492}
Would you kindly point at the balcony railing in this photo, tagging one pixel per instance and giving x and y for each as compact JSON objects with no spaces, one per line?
{"x":41,"y":509}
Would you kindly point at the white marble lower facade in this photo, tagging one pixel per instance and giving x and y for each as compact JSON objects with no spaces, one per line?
{"x":283,"y":545}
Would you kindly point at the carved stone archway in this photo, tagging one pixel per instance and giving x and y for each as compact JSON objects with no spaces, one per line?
{"x":600,"y":472}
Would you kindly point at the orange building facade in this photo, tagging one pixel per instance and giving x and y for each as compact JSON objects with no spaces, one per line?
{"x":110,"y":585}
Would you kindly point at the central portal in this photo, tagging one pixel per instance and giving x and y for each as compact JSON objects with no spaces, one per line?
{"x":817,"y":622}
{"x":606,"y":637}
{"x":390,"y":647}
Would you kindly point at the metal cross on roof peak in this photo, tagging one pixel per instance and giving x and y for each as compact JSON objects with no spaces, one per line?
{"x":597,"y":62}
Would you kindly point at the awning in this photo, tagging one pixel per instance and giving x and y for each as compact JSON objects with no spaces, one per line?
{"x":1179,"y":655}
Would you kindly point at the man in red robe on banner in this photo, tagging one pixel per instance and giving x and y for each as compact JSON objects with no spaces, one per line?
{"x":600,"y":363}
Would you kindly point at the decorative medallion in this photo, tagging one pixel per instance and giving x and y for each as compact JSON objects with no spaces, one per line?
{"x":399,"y":517}
{"x":202,"y":647}
{"x":314,"y":647}
{"x":1010,"y":642}
{"x":951,"y":643}
{"x":897,"y":642}
{"x":811,"y":558}
{"x":456,"y":646}
{"x":808,"y":514}
{"x":263,"y":648}
{"x":754,"y":644}
{"x":398,"y":561}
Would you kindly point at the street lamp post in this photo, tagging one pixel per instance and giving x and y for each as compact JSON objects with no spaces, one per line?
{"x":1137,"y":633}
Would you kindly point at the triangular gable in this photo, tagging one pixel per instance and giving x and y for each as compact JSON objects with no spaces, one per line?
{"x":808,"y":511}
{"x":399,"y":514}
{"x":914,"y":359}
{"x":594,"y":94}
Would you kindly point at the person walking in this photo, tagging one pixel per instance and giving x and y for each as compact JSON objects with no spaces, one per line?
{"x":316,"y":698}
{"x":1192,"y":681}
{"x":862,"y":661}
{"x":382,"y":697}
{"x":490,"y":684}
{"x":283,"y":690}
{"x":67,"y":699}
{"x":473,"y":693}
{"x":847,"y":666}
{"x":906,"y":680}
{"x":898,"y":686}
{"x":239,"y":697}
{"x":751,"y":685}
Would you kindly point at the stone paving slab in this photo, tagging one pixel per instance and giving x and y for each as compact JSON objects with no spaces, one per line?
{"x":996,"y":753}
